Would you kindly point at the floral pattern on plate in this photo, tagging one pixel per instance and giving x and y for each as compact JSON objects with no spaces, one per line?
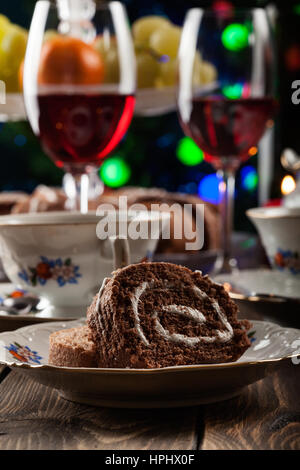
{"x":23,"y":353}
{"x":62,"y":271}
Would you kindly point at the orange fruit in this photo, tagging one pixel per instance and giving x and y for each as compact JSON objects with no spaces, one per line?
{"x":20,"y":75}
{"x":67,"y":60}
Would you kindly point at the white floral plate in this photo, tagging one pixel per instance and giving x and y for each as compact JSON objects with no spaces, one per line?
{"x":26,"y":351}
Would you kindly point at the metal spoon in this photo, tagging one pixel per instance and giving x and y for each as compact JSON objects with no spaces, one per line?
{"x":22,"y":305}
{"x":243,"y":292}
{"x":12,"y":311}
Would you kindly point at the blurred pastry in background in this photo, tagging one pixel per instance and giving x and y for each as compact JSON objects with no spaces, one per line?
{"x":45,"y":199}
{"x":9,"y":199}
{"x":174,"y":203}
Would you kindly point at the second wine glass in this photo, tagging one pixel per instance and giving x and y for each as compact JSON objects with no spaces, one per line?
{"x":79,"y":85}
{"x":227,"y":119}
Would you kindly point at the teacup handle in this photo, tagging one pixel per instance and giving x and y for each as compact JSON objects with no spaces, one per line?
{"x":121,"y":251}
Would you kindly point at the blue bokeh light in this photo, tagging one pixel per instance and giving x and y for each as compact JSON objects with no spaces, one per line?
{"x":20,"y":140}
{"x":208,"y":188}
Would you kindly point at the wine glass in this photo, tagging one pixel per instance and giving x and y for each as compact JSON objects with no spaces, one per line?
{"x":228,"y":118}
{"x":79,"y":84}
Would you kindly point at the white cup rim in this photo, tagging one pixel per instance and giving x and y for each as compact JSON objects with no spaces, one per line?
{"x":273,"y":212}
{"x":76,"y":218}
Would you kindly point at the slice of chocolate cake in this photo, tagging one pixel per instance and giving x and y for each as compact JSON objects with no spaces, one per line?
{"x":72,"y":348}
{"x":153,"y":315}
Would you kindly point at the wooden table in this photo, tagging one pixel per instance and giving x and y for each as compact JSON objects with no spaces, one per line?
{"x":265,"y":416}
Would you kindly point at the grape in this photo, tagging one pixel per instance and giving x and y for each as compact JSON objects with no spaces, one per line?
{"x":4,"y":25}
{"x":167,"y":74}
{"x":208,"y":73}
{"x":147,"y":70}
{"x":12,"y":51}
{"x":104,"y":45}
{"x":107,"y":48}
{"x":143,"y":28}
{"x":197,"y":69}
{"x":166,"y":41}
{"x":14,"y":44}
{"x":100,"y":46}
{"x":50,"y":34}
{"x":111,"y":66}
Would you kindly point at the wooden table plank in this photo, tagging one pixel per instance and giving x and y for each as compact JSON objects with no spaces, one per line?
{"x":33,"y":416}
{"x":265,"y":416}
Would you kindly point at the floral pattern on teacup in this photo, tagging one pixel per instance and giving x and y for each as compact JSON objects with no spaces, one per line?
{"x":63,"y":272}
{"x":23,"y":353}
{"x":287,"y":259}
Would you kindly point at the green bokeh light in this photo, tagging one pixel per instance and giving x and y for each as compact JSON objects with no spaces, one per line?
{"x":235,"y":37}
{"x":249,"y":178}
{"x":114,"y":172}
{"x":233,"y":92}
{"x":296,"y":9}
{"x":251,"y":181}
{"x":188,"y":152}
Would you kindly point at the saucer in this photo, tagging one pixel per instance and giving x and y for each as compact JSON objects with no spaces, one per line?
{"x":44,"y":313}
{"x":265,"y":294}
{"x":253,"y":282}
{"x":26,"y":352}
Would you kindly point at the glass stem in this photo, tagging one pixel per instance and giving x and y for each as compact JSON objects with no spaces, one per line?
{"x":226,"y":263}
{"x":82,"y":190}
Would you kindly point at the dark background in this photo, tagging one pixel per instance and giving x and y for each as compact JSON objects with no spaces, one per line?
{"x":150,"y":145}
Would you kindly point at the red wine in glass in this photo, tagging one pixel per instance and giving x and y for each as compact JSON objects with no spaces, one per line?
{"x":77,"y":130}
{"x":78,"y":102}
{"x":226,"y":128}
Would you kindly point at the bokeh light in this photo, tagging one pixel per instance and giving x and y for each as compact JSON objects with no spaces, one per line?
{"x":292,"y":57}
{"x":165,"y":140}
{"x":252,"y":151}
{"x":288,"y":185}
{"x":188,"y":152}
{"x":249,"y":178}
{"x":296,"y":9}
{"x":114,"y":172}
{"x":235,"y":37}
{"x":233,"y":92}
{"x":20,"y":140}
{"x":209,"y":188}
{"x":223,"y":8}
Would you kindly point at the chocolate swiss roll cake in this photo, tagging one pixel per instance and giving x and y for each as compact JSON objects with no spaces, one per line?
{"x":72,"y":348}
{"x":153,"y":315}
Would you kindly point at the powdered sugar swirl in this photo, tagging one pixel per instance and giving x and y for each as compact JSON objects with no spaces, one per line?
{"x":188,"y":312}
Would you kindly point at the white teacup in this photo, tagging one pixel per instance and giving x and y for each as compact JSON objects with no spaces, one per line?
{"x":279,"y":229}
{"x":57,"y":255}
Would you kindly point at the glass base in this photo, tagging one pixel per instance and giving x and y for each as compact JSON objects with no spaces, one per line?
{"x":224,"y":265}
